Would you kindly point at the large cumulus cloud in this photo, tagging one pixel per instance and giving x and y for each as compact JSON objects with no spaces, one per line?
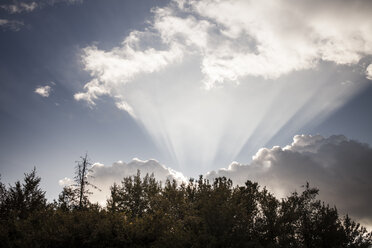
{"x":339,"y":167}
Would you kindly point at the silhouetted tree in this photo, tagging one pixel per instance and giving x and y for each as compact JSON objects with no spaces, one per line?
{"x":76,"y":196}
{"x":67,"y":199}
{"x":355,"y":236}
{"x":23,"y":198}
{"x":143,"y":213}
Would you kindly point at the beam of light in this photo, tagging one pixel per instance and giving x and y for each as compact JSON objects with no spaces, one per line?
{"x":204,"y":82}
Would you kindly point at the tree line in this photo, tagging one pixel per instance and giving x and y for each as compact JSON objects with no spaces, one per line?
{"x":141,"y":212}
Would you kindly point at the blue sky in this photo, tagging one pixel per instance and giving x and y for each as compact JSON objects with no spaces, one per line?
{"x":186,"y":87}
{"x":52,"y":132}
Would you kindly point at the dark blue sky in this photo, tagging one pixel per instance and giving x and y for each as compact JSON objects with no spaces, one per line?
{"x":52,"y":132}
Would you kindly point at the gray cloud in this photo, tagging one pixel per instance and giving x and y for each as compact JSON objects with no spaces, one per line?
{"x":17,"y":7}
{"x":339,"y":167}
{"x":13,"y":25}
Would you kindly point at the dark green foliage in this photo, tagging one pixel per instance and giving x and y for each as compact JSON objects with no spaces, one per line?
{"x":20,"y":200}
{"x":142,"y":213}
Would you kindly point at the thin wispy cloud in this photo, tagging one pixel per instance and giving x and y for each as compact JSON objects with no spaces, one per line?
{"x":12,"y":25}
{"x":19,"y":7}
{"x":43,"y":91}
{"x":22,"y":7}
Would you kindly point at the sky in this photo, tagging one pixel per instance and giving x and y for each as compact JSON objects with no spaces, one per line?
{"x":274,"y":91}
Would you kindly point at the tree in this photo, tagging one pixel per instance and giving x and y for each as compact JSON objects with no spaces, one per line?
{"x":24,"y":198}
{"x":355,"y":236}
{"x":81,"y":181}
{"x":135,"y":196}
{"x":142,"y":213}
{"x":3,"y":197}
{"x":67,"y":199}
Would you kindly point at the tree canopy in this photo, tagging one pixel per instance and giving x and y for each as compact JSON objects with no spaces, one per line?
{"x":141,"y":212}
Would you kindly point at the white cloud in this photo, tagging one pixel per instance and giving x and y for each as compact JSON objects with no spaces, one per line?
{"x":120,"y":65}
{"x":339,"y":167}
{"x":126,"y":107}
{"x":104,"y":176}
{"x":285,"y":36}
{"x":369,"y":72}
{"x":94,"y":89}
{"x":13,"y":25}
{"x":237,"y":39}
{"x":43,"y":91}
{"x":66,"y":182}
{"x":260,"y":51}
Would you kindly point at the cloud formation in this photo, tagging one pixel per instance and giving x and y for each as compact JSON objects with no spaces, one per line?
{"x":296,"y":36}
{"x":19,"y":7}
{"x":119,"y":66}
{"x":261,"y":73}
{"x":236,"y":39}
{"x":105,"y":176}
{"x":65,"y":182}
{"x":12,"y":25}
{"x":339,"y":167}
{"x":369,"y":72}
{"x":43,"y":91}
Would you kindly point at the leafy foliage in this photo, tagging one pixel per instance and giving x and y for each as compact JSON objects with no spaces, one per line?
{"x":143,"y":213}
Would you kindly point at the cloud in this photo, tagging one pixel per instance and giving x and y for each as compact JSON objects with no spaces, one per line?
{"x":119,"y":66}
{"x":66,"y":182}
{"x":369,"y":72}
{"x":13,"y":25}
{"x":236,"y":39}
{"x":262,"y":74}
{"x":43,"y":91}
{"x":19,"y":7}
{"x":339,"y":167}
{"x":104,"y":176}
{"x":292,"y":39}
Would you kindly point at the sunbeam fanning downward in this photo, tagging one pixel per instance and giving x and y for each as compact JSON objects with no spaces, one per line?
{"x":196,"y":125}
{"x":203,"y":81}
